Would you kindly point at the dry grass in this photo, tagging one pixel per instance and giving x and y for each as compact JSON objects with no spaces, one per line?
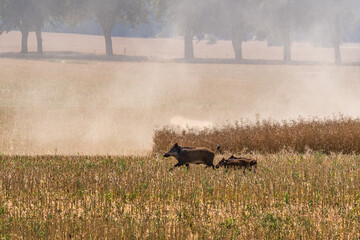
{"x":340,"y":135}
{"x":291,"y":196}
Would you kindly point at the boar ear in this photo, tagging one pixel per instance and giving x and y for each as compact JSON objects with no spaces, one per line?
{"x":176,"y":145}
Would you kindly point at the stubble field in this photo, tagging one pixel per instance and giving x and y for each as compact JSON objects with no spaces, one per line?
{"x":291,"y":196}
{"x":57,"y":115}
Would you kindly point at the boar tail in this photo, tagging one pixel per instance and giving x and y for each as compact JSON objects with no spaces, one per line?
{"x":217,"y":149}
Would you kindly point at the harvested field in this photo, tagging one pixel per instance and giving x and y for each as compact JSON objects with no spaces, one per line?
{"x":291,"y":196}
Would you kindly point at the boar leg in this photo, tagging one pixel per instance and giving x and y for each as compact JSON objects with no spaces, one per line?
{"x":176,"y":165}
{"x":210,"y":166}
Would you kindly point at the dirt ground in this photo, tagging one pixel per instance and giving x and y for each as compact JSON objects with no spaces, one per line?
{"x":106,"y":107}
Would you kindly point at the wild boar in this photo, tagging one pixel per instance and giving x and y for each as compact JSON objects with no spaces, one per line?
{"x":238,"y":162}
{"x":191,"y":155}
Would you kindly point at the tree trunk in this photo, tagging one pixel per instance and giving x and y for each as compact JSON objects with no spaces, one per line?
{"x":336,"y":38}
{"x":108,"y":42}
{"x":287,"y":46}
{"x":237,"y":40}
{"x":107,"y":22}
{"x":188,"y":44}
{"x":39,"y":40}
{"x":24,"y":40}
{"x":337,"y":54}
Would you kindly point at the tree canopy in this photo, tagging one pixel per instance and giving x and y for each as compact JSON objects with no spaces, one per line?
{"x":235,"y":20}
{"x":29,"y":15}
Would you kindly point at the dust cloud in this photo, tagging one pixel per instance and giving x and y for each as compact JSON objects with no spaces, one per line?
{"x":91,"y":107}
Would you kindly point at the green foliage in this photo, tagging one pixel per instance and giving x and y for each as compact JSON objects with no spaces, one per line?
{"x":30,"y":14}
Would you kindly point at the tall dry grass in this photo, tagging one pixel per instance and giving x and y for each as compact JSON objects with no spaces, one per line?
{"x":291,"y":196}
{"x":338,"y":134}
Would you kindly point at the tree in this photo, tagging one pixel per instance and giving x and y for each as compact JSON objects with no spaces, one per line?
{"x":335,"y":14}
{"x":281,"y":18}
{"x":108,"y":13}
{"x":17,"y":15}
{"x":29,"y":15}
{"x":191,"y":18}
{"x":239,"y":18}
{"x":48,"y":12}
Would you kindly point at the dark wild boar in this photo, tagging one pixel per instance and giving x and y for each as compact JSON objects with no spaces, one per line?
{"x":238,"y":162}
{"x":190,"y":155}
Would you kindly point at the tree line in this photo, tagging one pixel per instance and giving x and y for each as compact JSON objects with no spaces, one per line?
{"x":235,"y":20}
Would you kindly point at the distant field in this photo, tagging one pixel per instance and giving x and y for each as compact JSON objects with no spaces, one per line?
{"x":93,"y":107}
{"x":173,"y":48}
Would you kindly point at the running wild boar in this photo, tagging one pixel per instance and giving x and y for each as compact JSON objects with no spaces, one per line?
{"x":191,"y":155}
{"x":238,"y":162}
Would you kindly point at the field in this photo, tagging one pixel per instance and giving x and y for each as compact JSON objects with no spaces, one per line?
{"x":92,"y":107}
{"x":81,"y":142}
{"x":291,"y":196}
{"x":78,"y":105}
